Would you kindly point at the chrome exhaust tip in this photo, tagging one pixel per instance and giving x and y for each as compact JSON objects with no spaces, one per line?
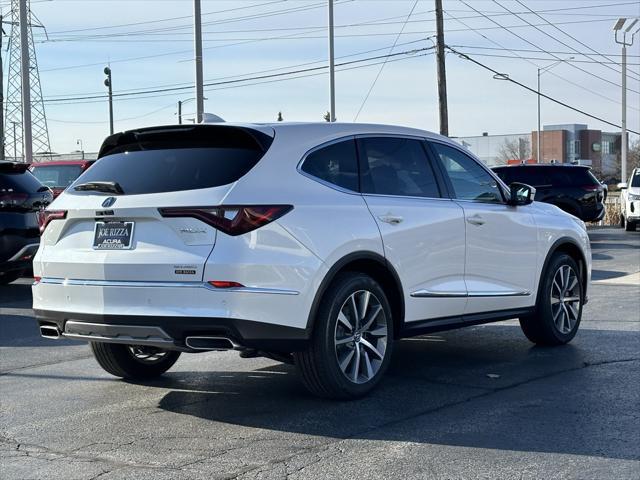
{"x":210,"y":343}
{"x":49,"y":331}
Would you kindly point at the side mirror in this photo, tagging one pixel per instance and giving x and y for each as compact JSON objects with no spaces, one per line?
{"x":521,"y":194}
{"x":622,"y":185}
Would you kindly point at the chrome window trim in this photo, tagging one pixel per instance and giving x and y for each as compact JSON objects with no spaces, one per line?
{"x":146,"y":284}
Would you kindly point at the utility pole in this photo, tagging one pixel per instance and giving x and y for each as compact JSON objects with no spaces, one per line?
{"x":179,"y":112}
{"x":26,"y":82}
{"x":332,"y":67}
{"x":1,"y":96}
{"x":625,"y":42}
{"x":197,"y":34}
{"x":442,"y":74}
{"x":109,"y":84}
{"x":538,"y":136}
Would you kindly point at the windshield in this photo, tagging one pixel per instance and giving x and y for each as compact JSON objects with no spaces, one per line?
{"x":59,"y":176}
{"x":635,"y":180}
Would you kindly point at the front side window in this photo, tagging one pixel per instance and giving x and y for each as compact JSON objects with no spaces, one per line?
{"x":396,"y":166}
{"x":336,"y":164}
{"x":469,"y":180}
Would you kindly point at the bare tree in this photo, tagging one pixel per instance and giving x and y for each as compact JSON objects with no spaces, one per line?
{"x":516,"y":149}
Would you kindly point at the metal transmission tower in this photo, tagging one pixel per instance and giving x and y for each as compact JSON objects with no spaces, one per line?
{"x":14,"y":137}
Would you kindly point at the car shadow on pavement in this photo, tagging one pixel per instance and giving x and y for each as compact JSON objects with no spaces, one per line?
{"x":21,"y":331}
{"x":485,"y":387}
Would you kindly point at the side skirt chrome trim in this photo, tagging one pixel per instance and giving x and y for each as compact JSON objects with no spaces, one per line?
{"x":141,"y":284}
{"x":430,"y":294}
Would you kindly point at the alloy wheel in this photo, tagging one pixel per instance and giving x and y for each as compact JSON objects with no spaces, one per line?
{"x":565,"y":299}
{"x":361,"y":336}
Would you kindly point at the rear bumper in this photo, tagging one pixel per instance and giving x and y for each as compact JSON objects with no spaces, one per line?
{"x":170,"y":332}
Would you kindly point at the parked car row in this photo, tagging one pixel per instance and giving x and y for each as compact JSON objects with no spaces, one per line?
{"x":24,"y":192}
{"x":630,"y":201}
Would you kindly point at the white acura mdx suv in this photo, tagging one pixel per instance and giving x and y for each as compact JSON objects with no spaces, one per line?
{"x":315,"y":244}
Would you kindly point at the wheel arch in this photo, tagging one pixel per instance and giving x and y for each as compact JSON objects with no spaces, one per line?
{"x":572,"y":248}
{"x":378,"y":268}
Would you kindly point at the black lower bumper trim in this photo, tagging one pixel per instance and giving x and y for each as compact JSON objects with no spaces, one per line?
{"x":247,"y":333}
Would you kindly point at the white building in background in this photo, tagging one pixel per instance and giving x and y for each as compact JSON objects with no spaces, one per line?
{"x":488,"y":147}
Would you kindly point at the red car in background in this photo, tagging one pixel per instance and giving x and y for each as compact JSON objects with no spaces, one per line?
{"x":58,"y":175}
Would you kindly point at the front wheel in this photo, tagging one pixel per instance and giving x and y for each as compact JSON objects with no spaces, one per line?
{"x":352,"y":340}
{"x":134,"y":362}
{"x":559,"y":307}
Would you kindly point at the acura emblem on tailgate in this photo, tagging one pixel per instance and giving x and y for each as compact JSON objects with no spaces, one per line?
{"x":108,"y":202}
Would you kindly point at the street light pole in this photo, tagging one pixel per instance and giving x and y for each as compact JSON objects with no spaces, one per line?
{"x":332,"y":73}
{"x":197,"y":34}
{"x":623,"y":123}
{"x":179,"y":112}
{"x":109,"y":84}
{"x":540,"y":72}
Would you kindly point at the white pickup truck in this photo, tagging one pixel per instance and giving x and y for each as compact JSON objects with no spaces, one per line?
{"x":630,"y":201}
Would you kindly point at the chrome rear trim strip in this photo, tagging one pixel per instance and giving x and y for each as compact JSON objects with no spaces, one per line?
{"x":146,"y":284}
{"x":430,"y":294}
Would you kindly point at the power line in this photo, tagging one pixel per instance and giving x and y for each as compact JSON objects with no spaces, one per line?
{"x":259,"y":77}
{"x":375,"y":80}
{"x":531,"y":50}
{"x":537,"y":46}
{"x":582,"y":87}
{"x":559,"y":102}
{"x":256,"y":72}
{"x":551,"y":36}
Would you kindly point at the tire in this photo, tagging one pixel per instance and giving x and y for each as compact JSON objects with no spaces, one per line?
{"x":8,"y":277}
{"x":630,"y":226}
{"x":559,"y":307}
{"x":133,"y":362}
{"x":340,"y":362}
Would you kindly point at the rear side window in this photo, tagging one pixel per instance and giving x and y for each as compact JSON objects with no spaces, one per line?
{"x":396,"y":166}
{"x":530,"y":175}
{"x":572,"y":177}
{"x":336,"y":164}
{"x":20,"y":183}
{"x":174,"y":160}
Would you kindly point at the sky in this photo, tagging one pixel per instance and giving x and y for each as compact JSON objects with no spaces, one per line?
{"x":149,"y":46}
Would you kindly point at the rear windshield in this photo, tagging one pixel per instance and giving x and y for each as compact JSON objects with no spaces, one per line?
{"x":169,"y":161}
{"x":20,"y":183}
{"x":57,"y":176}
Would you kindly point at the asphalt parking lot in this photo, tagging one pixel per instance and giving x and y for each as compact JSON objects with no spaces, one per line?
{"x":475,"y":403}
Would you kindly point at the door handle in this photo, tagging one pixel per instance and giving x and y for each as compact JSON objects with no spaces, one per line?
{"x":475,"y":220}
{"x":392,"y":219}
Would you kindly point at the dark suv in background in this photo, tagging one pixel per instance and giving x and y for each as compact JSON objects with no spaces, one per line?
{"x":22,"y":196}
{"x":573,"y":188}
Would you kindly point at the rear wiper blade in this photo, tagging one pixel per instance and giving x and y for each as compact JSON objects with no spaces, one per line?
{"x":108,"y":187}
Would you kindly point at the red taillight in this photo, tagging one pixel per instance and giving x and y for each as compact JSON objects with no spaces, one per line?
{"x":45,"y":216}
{"x":232,"y":220}
{"x":224,"y":284}
{"x":12,"y":199}
{"x":36,"y":279}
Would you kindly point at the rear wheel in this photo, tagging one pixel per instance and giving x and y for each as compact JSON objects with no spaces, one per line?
{"x":630,"y":226}
{"x":559,"y":307}
{"x":133,"y":362}
{"x":352,"y":340}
